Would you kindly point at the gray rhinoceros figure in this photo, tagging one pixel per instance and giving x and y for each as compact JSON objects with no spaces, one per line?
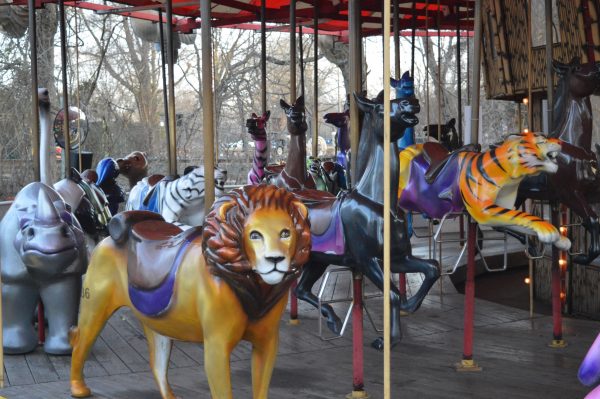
{"x":42,"y":256}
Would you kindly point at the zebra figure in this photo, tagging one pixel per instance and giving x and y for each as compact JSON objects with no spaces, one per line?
{"x":179,"y":201}
{"x":257,"y":128}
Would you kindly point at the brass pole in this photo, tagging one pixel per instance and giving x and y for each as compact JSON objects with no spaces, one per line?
{"x":530,"y":127}
{"x":458,"y":78}
{"x":315,"y":146}
{"x":293,"y":61}
{"x":77,"y":94}
{"x":355,"y":80}
{"x":386,"y":201}
{"x":427,"y":70}
{"x":172,"y":142}
{"x":439,"y":77}
{"x":35,"y":115}
{"x":529,"y":71}
{"x":413,"y":38}
{"x":263,"y":55}
{"x":63,"y":58}
{"x":397,"y":71}
{"x":207,"y":106}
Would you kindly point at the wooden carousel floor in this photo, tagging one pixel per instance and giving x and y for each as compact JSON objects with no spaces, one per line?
{"x":509,"y":346}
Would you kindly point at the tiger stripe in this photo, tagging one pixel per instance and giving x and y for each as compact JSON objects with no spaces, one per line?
{"x":488,"y":181}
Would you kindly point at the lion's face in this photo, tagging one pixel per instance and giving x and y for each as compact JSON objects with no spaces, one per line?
{"x":270,"y":239}
{"x":259,"y":230}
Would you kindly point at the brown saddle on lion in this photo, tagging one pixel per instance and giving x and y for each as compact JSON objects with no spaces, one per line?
{"x":155,"y":250}
{"x":152,"y":245}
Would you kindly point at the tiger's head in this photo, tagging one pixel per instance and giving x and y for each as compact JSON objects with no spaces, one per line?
{"x":536,"y":153}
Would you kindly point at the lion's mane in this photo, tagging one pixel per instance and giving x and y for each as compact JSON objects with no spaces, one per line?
{"x":223,"y":245}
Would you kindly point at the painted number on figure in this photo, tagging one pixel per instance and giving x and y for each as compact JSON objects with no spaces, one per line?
{"x":85,"y":293}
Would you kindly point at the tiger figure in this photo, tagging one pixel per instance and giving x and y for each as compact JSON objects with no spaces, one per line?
{"x":484,"y":184}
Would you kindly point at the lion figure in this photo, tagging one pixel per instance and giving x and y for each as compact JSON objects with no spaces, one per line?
{"x":218,"y":285}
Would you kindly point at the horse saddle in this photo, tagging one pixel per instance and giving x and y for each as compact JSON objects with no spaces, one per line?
{"x":320,"y":214}
{"x":438,"y":156}
{"x":325,"y":221}
{"x":154,"y":254}
{"x":153,"y":181}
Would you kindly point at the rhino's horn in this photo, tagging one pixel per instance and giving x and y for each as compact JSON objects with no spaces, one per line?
{"x":45,"y":212}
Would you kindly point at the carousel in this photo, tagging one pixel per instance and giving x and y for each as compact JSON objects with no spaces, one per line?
{"x":182,"y":283}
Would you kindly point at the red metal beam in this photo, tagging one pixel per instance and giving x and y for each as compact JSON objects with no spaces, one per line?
{"x":248,"y":16}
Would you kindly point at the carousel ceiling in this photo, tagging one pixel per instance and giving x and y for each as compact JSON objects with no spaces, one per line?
{"x":445,"y":15}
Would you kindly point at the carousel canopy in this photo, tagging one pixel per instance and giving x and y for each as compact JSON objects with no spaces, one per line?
{"x":333,"y":14}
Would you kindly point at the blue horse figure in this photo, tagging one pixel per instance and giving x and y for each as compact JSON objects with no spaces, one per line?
{"x":405,"y":89}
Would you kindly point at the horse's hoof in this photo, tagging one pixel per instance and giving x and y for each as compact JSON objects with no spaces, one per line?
{"x":80,"y":390}
{"x":335,"y":325}
{"x":378,"y":344}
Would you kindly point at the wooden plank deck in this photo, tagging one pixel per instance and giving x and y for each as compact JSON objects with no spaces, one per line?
{"x":509,"y":346}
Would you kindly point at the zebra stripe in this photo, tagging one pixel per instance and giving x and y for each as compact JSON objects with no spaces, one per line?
{"x":176,"y":198}
{"x":259,"y":161}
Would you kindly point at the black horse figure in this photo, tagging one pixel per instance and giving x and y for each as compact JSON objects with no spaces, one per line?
{"x":448,"y":136}
{"x":575,"y":184}
{"x":347,"y":229}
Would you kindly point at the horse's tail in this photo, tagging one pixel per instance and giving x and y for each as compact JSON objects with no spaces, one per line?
{"x":121,"y":224}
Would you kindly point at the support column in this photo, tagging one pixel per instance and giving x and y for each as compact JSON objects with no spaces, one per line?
{"x":293,"y":92}
{"x":63,"y":58}
{"x":355,"y":80}
{"x":35,"y":115}
{"x":163,"y":64}
{"x":315,"y":132}
{"x":208,"y":106}
{"x":358,"y":382}
{"x":549,"y":68}
{"x":559,"y":262}
{"x":467,"y":363}
{"x":172,"y":141}
{"x":263,"y":55}
{"x":387,"y":202}
{"x":398,"y":72}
